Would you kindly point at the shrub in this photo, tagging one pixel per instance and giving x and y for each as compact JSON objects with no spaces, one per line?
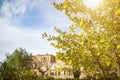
{"x":50,"y":78}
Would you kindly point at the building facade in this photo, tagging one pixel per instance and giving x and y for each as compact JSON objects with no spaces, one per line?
{"x":46,"y":59}
{"x":42,"y":63}
{"x":50,"y":66}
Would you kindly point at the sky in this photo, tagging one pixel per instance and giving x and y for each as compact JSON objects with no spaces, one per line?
{"x":22,"y":23}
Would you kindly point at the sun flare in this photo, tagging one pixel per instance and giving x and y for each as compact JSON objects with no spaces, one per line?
{"x":92,"y":3}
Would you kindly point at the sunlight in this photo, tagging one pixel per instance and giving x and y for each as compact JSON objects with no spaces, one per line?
{"x":92,"y":3}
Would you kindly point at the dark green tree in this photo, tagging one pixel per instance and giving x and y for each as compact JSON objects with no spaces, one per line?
{"x":20,"y":59}
{"x":17,"y":66}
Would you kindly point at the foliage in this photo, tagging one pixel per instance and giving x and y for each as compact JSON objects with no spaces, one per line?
{"x":20,"y":59}
{"x":93,"y":41}
{"x":17,"y":67}
{"x":29,"y":75}
{"x":73,"y":79}
{"x":50,"y":78}
{"x":6,"y":72}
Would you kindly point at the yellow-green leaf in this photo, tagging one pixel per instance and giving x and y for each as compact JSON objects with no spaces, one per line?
{"x":117,"y":12}
{"x":118,"y":46}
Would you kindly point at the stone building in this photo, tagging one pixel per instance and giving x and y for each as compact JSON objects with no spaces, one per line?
{"x":48,"y":64}
{"x":46,"y":59}
{"x":42,"y":63}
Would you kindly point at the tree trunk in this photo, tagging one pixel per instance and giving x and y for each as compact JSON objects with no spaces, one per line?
{"x":100,"y":66}
{"x":118,"y":67}
{"x":103,"y":71}
{"x":118,"y":62}
{"x":91,"y":78}
{"x":76,"y":74}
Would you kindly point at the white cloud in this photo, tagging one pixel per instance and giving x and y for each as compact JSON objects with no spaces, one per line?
{"x":13,"y":35}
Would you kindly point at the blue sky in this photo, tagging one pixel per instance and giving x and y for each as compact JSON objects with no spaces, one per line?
{"x":22,"y":23}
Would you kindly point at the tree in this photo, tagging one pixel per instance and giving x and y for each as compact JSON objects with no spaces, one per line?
{"x":93,"y":39}
{"x":6,"y":72}
{"x":20,"y":59}
{"x":17,"y":66}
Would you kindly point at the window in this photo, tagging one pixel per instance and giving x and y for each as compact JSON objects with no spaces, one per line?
{"x":44,"y":58}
